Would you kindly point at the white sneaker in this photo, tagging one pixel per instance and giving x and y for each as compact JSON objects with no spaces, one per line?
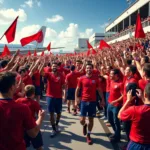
{"x":105,"y":121}
{"x":103,"y":118}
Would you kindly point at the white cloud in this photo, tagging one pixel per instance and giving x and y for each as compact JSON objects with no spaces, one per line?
{"x":104,"y":25}
{"x":55,"y":18}
{"x":8,"y":15}
{"x":67,"y":38}
{"x":87,"y":33}
{"x":29,"y":30}
{"x":50,"y":33}
{"x":29,"y":3}
{"x":71,"y":32}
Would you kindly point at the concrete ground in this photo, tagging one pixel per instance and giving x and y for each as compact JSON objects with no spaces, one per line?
{"x":71,"y":137}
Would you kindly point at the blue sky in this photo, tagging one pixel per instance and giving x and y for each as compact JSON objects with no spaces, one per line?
{"x":71,"y":18}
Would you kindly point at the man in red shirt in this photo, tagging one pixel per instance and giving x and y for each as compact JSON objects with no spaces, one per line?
{"x":146,"y":77}
{"x":37,"y":81}
{"x":34,"y":106}
{"x":55,"y":84}
{"x":71,"y":83}
{"x":129,"y":78}
{"x":114,"y":103}
{"x":88,"y":84}
{"x":15,"y":118}
{"x":139,"y":116}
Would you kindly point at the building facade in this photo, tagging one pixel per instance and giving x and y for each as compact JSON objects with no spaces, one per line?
{"x":123,"y":26}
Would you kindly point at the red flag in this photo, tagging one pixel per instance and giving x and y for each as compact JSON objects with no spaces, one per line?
{"x":11,"y":31}
{"x":49,"y":47}
{"x":93,"y":52}
{"x":35,"y":54}
{"x":29,"y":53}
{"x":89,"y":45}
{"x":35,"y":37}
{"x":103,"y":44}
{"x":42,"y":54}
{"x":139,"y":32}
{"x":6,"y":51}
{"x":88,"y":53}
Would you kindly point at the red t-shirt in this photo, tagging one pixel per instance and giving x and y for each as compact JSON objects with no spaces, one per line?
{"x":14,"y":119}
{"x":139,"y":117}
{"x":126,"y":82}
{"x":27,"y":80}
{"x":54,"y":84}
{"x":137,"y":76}
{"x":36,"y":78}
{"x":116,"y":90}
{"x":108,"y":84}
{"x":71,"y":79}
{"x":96,"y":73}
{"x":66,"y":70}
{"x":47,"y":69}
{"x":32,"y":104}
{"x":143,"y":83}
{"x":89,"y":87}
{"x":103,"y":84}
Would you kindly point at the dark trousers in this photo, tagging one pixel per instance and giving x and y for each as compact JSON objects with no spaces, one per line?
{"x":112,"y":114}
{"x":127,"y":128}
{"x":106,"y":94}
{"x":98,"y":101}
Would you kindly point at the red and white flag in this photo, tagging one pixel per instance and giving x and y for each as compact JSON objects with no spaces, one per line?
{"x":38,"y":37}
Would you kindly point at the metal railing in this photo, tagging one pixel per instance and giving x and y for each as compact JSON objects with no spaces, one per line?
{"x":127,"y":31}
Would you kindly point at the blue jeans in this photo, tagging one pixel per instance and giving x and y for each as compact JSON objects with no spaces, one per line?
{"x":136,"y":146}
{"x":112,"y":114}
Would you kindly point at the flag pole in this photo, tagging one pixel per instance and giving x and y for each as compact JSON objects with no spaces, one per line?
{"x":134,"y":43}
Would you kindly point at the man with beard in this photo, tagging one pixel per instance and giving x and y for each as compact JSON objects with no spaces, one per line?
{"x":89,"y":84}
{"x":55,"y":84}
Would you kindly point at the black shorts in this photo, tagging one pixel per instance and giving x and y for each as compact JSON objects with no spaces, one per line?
{"x":37,"y":142}
{"x":71,"y":94}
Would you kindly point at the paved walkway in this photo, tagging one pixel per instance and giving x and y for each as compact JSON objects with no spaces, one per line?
{"x":71,"y":137}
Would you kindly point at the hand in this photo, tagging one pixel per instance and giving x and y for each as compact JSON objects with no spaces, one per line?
{"x":41,"y":114}
{"x":17,"y":52}
{"x":139,"y":93}
{"x":77,"y":102}
{"x":129,"y":96}
{"x":113,"y":102}
{"x":64,"y":100}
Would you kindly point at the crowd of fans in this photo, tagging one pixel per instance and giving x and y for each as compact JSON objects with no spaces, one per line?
{"x":116,"y":79}
{"x":128,"y":30}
